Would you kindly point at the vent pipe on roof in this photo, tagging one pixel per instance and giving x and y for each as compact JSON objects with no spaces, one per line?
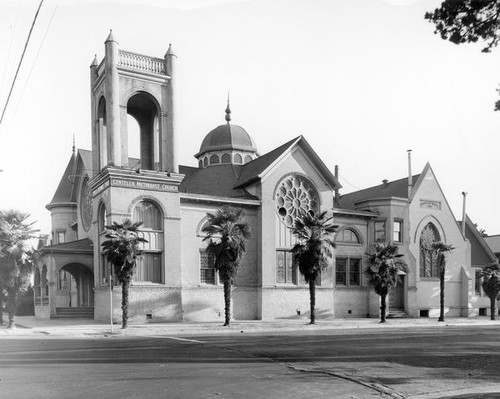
{"x":337,"y":197}
{"x":410,"y":178}
{"x":463,"y":213}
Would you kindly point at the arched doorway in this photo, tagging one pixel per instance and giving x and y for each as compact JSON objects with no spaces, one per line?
{"x":75,"y":286}
{"x":397,"y":295}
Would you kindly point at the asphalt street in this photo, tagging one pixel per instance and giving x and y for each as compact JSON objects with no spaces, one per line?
{"x":407,"y":363}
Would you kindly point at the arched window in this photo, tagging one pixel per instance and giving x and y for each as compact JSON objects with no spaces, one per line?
{"x":226,"y":158}
{"x":45,"y":282}
{"x":149,"y":214}
{"x":347,"y":236}
{"x":208,"y":273}
{"x":428,"y":256}
{"x":295,"y":196}
{"x":101,"y":218}
{"x":37,"y":287}
{"x":214,"y":159}
{"x":150,"y":264}
{"x":238,"y":159}
{"x":200,"y":163}
{"x":248,"y":158}
{"x":205,"y":162}
{"x":103,"y":133}
{"x":143,"y":131}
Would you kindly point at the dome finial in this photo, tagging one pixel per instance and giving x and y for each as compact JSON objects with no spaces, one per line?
{"x":228,"y":110}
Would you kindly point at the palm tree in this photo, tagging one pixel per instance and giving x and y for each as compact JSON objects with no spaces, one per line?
{"x":227,"y":232}
{"x":16,"y":257}
{"x":385,"y":263}
{"x":313,"y":250}
{"x":491,"y":285}
{"x":441,"y":250}
{"x":122,"y":247}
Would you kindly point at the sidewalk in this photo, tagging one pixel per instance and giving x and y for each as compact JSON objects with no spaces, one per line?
{"x":29,"y":326}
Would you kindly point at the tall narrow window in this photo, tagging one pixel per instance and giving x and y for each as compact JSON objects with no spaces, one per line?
{"x":380,"y":231}
{"x":208,"y":273}
{"x":477,"y":283}
{"x":428,"y":257}
{"x":149,"y":265}
{"x":397,"y":231}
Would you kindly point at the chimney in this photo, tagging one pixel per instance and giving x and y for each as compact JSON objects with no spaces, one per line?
{"x":337,"y":197}
{"x":463,"y":213}
{"x":385,"y":182}
{"x":410,"y":178}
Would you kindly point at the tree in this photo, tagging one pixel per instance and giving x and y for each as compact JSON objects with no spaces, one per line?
{"x":441,"y":250}
{"x":226,"y":233}
{"x":491,"y":285}
{"x":122,"y":248}
{"x":313,"y":250}
{"x":385,"y":263}
{"x":16,"y":257}
{"x":468,"y":21}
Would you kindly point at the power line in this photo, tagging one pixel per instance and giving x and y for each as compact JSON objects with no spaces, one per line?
{"x":36,"y":58}
{"x":20,"y":61}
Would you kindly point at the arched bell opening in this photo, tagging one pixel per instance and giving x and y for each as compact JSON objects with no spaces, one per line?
{"x":103,"y":133}
{"x":143,"y":132}
{"x":75,"y":286}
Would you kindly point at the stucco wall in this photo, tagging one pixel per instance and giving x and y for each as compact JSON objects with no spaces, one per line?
{"x":438,"y":212}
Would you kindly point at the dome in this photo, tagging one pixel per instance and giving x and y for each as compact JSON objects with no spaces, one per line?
{"x":227,"y":137}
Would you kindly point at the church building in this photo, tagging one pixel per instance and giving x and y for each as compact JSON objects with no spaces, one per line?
{"x":175,"y":279}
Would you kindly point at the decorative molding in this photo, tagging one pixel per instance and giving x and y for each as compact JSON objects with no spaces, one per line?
{"x":430,"y":204}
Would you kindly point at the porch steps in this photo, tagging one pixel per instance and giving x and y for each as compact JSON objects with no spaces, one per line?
{"x":397,"y":314}
{"x":74,"y":313}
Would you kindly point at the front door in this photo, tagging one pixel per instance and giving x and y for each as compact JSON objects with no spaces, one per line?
{"x":396,"y":295}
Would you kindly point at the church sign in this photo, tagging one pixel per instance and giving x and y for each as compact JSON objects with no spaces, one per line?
{"x":144,"y":185}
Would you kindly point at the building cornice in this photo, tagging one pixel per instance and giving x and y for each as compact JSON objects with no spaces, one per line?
{"x":188,"y":197}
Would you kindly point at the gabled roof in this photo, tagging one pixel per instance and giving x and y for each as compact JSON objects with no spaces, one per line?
{"x":493,"y":242}
{"x":253,"y":171}
{"x":397,"y":188}
{"x":481,"y":253}
{"x":217,"y":180}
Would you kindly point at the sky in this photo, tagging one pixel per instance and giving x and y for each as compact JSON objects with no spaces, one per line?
{"x":362,"y":80}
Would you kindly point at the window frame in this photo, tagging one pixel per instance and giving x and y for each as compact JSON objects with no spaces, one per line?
{"x":478,"y":286}
{"x":203,"y":252}
{"x":399,"y":222}
{"x":348,"y":271}
{"x":382,"y":231}
{"x":340,"y":241}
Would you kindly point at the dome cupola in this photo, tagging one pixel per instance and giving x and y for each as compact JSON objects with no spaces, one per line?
{"x":227,"y":143}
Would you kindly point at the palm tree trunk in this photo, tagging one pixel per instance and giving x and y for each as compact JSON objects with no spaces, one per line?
{"x":441,"y":295}
{"x":1,"y":307}
{"x":11,"y":308}
{"x":493,"y":310}
{"x":125,"y":289}
{"x":383,"y":307}
{"x":312,"y":299}
{"x":227,"y":302}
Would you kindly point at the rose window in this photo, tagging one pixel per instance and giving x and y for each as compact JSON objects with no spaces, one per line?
{"x":295,"y":196}
{"x":86,"y":205}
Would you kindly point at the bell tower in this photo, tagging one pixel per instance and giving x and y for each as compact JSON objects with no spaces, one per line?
{"x":125,"y":85}
{"x":134,"y":167}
